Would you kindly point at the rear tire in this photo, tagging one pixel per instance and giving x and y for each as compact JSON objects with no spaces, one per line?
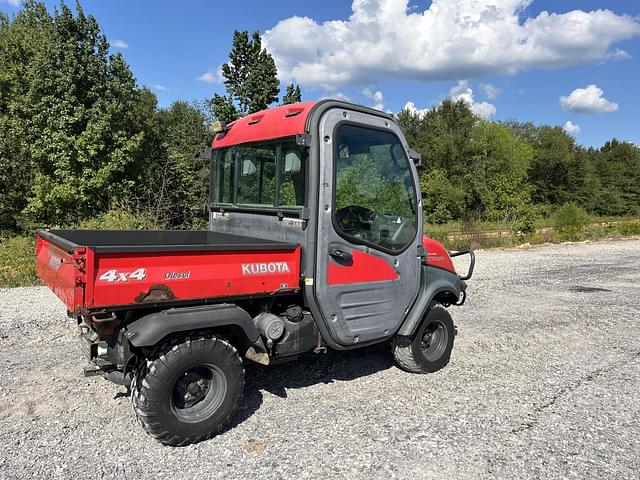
{"x":188,"y":388}
{"x":430,"y":348}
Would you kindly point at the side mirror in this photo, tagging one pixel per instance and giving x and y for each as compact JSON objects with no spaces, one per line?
{"x":416,"y":157}
{"x":206,"y":153}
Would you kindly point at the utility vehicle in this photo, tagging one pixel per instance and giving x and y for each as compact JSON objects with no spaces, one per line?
{"x":315,"y":242}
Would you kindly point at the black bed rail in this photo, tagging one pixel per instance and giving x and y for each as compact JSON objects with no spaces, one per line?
{"x":158,"y":241}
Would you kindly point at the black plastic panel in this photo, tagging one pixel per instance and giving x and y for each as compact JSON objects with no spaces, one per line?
{"x":299,"y":337}
{"x":150,"y":329}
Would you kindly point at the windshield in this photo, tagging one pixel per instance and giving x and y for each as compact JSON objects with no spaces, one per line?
{"x":269,"y":174}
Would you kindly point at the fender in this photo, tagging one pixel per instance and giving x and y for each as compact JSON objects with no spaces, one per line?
{"x":433,"y":280}
{"x":150,"y":329}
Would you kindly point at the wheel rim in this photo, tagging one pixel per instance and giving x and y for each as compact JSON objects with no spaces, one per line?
{"x":198,"y":393}
{"x":434,"y":341}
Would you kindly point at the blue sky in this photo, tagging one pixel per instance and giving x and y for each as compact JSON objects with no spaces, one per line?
{"x":506,"y":58}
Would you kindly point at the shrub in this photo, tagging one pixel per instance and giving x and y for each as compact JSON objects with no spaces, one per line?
{"x":525,"y":220}
{"x":442,"y":201}
{"x":119,"y":220}
{"x":628,"y":228}
{"x":17,"y":262}
{"x":570,"y":221}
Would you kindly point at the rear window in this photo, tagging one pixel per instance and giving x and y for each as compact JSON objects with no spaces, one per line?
{"x":259,"y":175}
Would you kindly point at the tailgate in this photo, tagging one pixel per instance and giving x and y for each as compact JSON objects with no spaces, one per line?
{"x":61,"y":270}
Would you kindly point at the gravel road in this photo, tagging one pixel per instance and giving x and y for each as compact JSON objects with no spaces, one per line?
{"x":543,"y":383}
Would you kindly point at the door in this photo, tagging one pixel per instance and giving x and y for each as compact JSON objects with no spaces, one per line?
{"x":367,"y":264}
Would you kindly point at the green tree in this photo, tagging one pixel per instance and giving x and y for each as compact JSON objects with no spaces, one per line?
{"x":76,"y":115}
{"x":471,"y":167}
{"x":496,"y":178}
{"x":177,"y":186}
{"x":293,"y":95}
{"x":250,"y":77}
{"x":442,"y":136}
{"x":618,"y":167}
{"x":443,"y":202}
{"x":221,"y":108}
{"x":526,"y":131}
{"x":557,"y":173}
{"x":22,"y":39}
{"x":411,"y":123}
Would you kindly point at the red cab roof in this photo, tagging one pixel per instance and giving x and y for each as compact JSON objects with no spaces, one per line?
{"x":278,"y":122}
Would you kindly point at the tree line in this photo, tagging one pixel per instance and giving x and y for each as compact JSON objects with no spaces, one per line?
{"x":514,"y":171}
{"x":81,"y":140}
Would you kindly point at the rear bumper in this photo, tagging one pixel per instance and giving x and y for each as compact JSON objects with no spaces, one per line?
{"x":105,"y":354}
{"x":96,"y":351}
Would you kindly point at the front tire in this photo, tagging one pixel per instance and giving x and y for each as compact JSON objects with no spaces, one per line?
{"x":429,"y":350}
{"x":188,"y":388}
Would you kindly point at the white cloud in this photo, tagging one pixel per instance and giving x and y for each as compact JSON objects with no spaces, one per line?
{"x":337,"y":96}
{"x":484,"y":109}
{"x":160,"y":88}
{"x":618,"y":54}
{"x":490,"y":91}
{"x":571,"y":128}
{"x":13,"y":3}
{"x":376,"y":97}
{"x":462,"y":91}
{"x":421,"y":112}
{"x":117,"y":43}
{"x":587,"y":100}
{"x":208,"y":77}
{"x":446,"y":41}
{"x":212,"y":76}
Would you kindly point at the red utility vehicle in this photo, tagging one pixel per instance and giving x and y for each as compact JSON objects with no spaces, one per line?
{"x":315,"y":242}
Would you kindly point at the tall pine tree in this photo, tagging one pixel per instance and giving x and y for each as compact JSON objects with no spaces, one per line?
{"x":250,"y":77}
{"x":293,"y":95}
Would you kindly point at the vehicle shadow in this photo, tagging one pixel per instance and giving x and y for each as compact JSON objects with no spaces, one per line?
{"x":308,"y":370}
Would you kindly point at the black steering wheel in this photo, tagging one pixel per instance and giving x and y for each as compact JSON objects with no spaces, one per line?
{"x":355,"y":220}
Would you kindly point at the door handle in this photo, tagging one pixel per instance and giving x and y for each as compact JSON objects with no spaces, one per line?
{"x":341,"y":256}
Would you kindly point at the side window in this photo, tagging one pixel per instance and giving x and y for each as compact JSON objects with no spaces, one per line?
{"x":375,"y":201}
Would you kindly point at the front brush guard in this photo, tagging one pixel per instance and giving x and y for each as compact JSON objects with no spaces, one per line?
{"x":472,"y":262}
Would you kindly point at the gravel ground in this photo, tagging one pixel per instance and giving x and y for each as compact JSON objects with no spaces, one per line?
{"x":543,"y":383}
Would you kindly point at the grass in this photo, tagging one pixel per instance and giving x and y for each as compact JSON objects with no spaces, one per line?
{"x":17,"y":259}
{"x":458,"y":236}
{"x":17,"y":262}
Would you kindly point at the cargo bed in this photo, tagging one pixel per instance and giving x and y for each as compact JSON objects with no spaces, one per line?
{"x":93,"y":271}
